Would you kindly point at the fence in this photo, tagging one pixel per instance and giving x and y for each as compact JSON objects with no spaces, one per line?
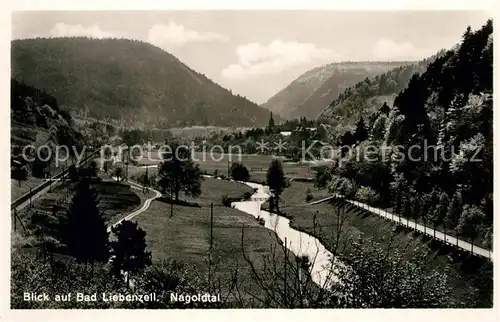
{"x":426,"y":230}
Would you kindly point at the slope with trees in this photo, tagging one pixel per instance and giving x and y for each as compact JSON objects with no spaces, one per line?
{"x":366,"y":97}
{"x":432,"y":157}
{"x":312,"y":91}
{"x":129,"y":81}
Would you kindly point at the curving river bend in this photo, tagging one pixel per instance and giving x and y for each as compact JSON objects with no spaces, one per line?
{"x":300,"y":243}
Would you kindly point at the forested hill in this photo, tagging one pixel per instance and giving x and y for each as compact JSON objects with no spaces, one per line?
{"x":367,"y":96}
{"x":311,"y":92}
{"x":130,"y":81}
{"x":437,"y":139}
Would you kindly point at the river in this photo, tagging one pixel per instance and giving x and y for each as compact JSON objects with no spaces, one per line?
{"x":300,"y":243}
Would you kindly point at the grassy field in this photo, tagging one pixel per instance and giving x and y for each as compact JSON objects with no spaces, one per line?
{"x":257,"y":164}
{"x":115,"y":199}
{"x":186,"y":237}
{"x":466,"y":273}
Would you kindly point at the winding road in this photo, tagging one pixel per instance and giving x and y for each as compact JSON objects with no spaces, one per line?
{"x":144,"y":207}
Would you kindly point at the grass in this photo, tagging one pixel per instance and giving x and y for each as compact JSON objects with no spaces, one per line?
{"x":257,"y":165}
{"x":186,"y":236}
{"x":115,"y":199}
{"x":467,"y":273}
{"x":214,"y":189}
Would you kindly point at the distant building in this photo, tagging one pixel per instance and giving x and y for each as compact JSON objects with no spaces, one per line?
{"x":286,"y":133}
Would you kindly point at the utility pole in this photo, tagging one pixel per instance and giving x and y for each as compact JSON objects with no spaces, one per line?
{"x":211,"y":245}
{"x":146,"y":180}
{"x":286,"y":259}
{"x":126,"y":163}
{"x":171,"y":205}
{"x":211,"y":224}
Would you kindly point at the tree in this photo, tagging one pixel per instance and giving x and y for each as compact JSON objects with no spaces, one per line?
{"x":441,"y":209}
{"x":322,"y":178}
{"x":270,"y":126}
{"x":83,"y":229}
{"x":129,"y":249}
{"x":455,"y":210}
{"x":179,"y":173}
{"x":106,"y":165}
{"x":360,"y":134}
{"x":470,"y":221}
{"x":93,"y":168}
{"x":385,"y":109}
{"x":118,"y":173}
{"x":276,"y":181}
{"x":239,"y":172}
{"x":379,"y":127}
{"x":40,"y":166}
{"x":19,"y":173}
{"x":73,"y":173}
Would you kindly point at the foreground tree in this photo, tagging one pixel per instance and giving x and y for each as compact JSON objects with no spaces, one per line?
{"x":83,"y":229}
{"x":179,"y":173}
{"x":128,"y":251}
{"x":276,"y":181}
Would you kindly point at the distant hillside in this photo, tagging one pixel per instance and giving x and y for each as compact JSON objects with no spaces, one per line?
{"x":37,"y":119}
{"x":367,"y":96}
{"x":129,"y":83}
{"x":311,"y":92}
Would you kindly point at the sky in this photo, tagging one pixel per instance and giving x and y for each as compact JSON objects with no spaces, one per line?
{"x":258,"y":53}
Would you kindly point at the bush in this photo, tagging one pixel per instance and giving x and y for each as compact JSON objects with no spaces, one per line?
{"x":323,"y":176}
{"x":342,"y":186}
{"x":239,"y":172}
{"x":367,"y":195}
{"x":226,"y":201}
{"x":309,"y":197}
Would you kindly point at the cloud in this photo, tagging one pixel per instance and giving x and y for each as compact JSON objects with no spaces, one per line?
{"x":388,"y":49}
{"x":255,"y":59}
{"x":166,"y":36}
{"x":64,"y":30}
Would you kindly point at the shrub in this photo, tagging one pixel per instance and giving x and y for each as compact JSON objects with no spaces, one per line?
{"x":309,"y":197}
{"x":323,"y":176}
{"x":226,"y":201}
{"x":342,"y":186}
{"x":239,"y":172}
{"x":367,"y":195}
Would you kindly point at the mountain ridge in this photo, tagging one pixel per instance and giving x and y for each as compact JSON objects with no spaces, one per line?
{"x":314,"y":89}
{"x":131,"y":82}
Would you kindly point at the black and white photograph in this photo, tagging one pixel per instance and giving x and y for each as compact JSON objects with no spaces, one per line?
{"x":251,"y":159}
